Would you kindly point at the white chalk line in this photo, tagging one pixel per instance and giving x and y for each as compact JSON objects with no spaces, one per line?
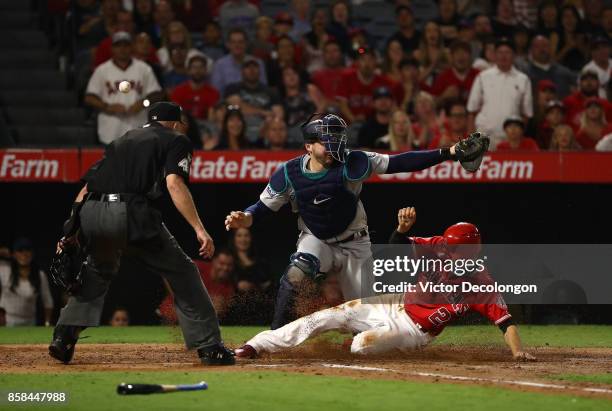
{"x":453,"y":377}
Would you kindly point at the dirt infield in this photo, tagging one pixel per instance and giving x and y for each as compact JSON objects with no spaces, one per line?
{"x":463,"y":365}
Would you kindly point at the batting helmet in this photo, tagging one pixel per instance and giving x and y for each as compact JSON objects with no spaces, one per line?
{"x":330,"y":130}
{"x":463,"y":240}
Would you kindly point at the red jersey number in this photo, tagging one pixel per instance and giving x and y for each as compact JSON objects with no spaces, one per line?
{"x":443,"y":315}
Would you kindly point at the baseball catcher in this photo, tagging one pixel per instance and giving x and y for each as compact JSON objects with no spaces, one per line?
{"x":323,"y":188}
{"x":399,"y":321}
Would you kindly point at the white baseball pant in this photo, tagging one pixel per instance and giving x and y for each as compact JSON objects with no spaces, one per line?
{"x":381,"y":324}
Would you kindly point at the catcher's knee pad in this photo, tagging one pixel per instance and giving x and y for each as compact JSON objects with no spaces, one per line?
{"x":302,"y":266}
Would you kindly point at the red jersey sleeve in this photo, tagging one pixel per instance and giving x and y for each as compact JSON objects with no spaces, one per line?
{"x":496,"y":313}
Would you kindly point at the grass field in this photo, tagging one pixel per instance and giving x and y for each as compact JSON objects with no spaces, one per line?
{"x":532,"y":335}
{"x":251,"y":388}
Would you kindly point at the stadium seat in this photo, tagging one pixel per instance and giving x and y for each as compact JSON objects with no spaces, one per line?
{"x":27,"y":59}
{"x":23,"y":39}
{"x":272,"y":7}
{"x":32,"y":79}
{"x":45,"y":116}
{"x":41,"y":98}
{"x":6,"y":140}
{"x":11,"y":20}
{"x":370,"y":10}
{"x":6,"y":5}
{"x":380,"y":28}
{"x":63,"y":136}
{"x":317,"y":4}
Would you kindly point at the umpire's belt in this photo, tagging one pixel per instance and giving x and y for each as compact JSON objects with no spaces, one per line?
{"x":351,"y":237}
{"x":111,"y":198}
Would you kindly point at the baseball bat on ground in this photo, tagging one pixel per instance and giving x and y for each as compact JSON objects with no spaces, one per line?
{"x":129,"y":389}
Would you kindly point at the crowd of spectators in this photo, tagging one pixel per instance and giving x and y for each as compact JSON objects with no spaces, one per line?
{"x":248,"y":80}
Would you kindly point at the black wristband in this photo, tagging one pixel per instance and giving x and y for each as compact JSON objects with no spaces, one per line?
{"x":445,"y":153}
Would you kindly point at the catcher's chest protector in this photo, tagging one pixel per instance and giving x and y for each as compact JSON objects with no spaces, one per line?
{"x":324,"y":203}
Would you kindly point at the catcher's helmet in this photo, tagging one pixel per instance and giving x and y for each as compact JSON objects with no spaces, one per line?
{"x":463,"y":240}
{"x":330,"y":130}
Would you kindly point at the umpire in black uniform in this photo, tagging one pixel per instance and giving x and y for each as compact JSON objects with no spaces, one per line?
{"x":118,"y":219}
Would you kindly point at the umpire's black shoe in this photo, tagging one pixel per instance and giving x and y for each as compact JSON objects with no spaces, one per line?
{"x":216,"y":355}
{"x":64,"y":341}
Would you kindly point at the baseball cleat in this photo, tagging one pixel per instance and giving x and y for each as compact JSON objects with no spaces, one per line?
{"x":64,"y":342}
{"x":246,"y":351}
{"x":216,"y":355}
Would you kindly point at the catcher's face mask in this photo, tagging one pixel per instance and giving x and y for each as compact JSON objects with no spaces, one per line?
{"x":333,"y":135}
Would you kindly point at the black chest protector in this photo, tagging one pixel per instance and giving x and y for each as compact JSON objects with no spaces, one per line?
{"x":326,"y":206}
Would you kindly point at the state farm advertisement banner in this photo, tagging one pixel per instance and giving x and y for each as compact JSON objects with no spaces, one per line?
{"x":257,"y":166}
{"x":39,"y":165}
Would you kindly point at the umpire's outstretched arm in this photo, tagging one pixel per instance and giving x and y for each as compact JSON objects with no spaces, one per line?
{"x":183,"y":201}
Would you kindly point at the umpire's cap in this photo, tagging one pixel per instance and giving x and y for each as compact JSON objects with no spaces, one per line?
{"x":165,"y":111}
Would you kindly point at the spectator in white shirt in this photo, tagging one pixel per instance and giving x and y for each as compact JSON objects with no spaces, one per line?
{"x":120,"y":112}
{"x":499,"y":93}
{"x":23,"y":284}
{"x":601,"y":63}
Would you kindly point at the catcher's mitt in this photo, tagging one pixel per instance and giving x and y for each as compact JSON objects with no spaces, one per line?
{"x":469,"y":152}
{"x":68,"y":266}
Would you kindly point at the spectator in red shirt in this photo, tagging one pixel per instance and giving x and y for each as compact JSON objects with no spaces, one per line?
{"x":217,"y":277}
{"x":456,"y":81}
{"x":574,"y":103}
{"x":358,"y":86}
{"x":456,"y":127}
{"x":515,"y":137}
{"x":593,"y":124}
{"x":563,"y":139}
{"x":196,"y":96}
{"x":329,"y":78}
{"x":553,"y":117}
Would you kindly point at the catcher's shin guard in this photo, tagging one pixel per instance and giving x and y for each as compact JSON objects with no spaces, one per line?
{"x":301,"y":267}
